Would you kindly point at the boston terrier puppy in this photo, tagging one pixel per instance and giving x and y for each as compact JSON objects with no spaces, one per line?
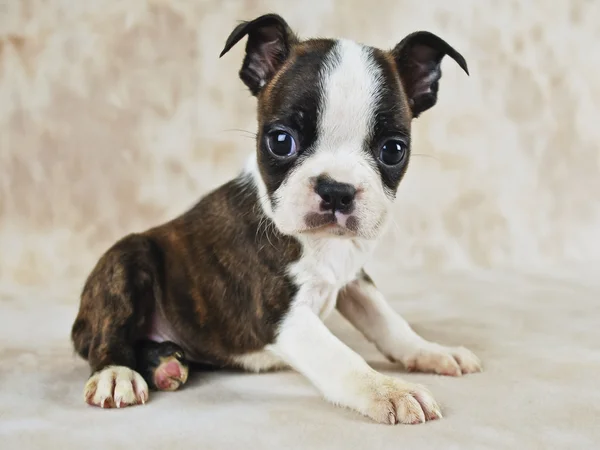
{"x":245,"y":277}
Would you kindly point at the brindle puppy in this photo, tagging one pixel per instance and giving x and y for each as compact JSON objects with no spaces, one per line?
{"x":245,"y":277}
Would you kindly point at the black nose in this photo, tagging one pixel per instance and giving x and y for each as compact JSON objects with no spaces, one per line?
{"x":336,"y":196}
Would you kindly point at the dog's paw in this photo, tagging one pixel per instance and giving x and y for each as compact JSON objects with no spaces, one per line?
{"x":451,"y":361}
{"x":392,"y":401}
{"x":115,"y":387}
{"x":170,"y":374}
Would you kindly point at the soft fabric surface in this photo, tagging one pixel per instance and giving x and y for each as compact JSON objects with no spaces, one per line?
{"x":538,"y":338}
{"x":117,"y":115}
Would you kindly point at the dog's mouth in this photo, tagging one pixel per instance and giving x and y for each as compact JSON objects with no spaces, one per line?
{"x":330,"y":223}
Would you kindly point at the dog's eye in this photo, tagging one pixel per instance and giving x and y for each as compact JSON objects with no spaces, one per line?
{"x":392,"y":152}
{"x":281,"y":144}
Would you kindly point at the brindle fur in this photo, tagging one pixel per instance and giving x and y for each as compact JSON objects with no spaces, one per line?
{"x":218,"y":277}
{"x":217,"y":274}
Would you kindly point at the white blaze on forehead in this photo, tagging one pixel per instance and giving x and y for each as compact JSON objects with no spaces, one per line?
{"x":351,"y":86}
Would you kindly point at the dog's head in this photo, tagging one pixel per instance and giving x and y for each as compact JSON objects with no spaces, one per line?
{"x":334,"y":122}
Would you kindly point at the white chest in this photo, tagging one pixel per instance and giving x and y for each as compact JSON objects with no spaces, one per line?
{"x":325,"y":267}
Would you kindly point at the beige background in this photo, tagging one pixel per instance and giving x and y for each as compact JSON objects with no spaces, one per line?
{"x":118,"y":114}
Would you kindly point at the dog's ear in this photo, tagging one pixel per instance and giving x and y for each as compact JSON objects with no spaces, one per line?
{"x":418,"y":58}
{"x":268,"y":46}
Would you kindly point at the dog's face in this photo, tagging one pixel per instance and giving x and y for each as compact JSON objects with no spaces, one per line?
{"x":334,"y":123}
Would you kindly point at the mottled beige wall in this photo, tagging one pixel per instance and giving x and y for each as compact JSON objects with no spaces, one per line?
{"x":117,"y":114}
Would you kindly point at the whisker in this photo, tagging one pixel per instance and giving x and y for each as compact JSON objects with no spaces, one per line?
{"x":270,"y":224}
{"x":239,"y":130}
{"x":423,"y":155}
{"x":396,"y":228}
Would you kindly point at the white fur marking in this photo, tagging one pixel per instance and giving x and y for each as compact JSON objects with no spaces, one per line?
{"x":115,"y":386}
{"x":260,"y":361}
{"x":326,"y":265}
{"x":365,"y":307}
{"x":344,"y":378}
{"x":350,"y":86}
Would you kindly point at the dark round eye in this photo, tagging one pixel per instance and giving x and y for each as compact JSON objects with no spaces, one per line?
{"x":392,"y":152}
{"x":281,"y":144}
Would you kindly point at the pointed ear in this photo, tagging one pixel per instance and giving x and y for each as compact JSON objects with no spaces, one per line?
{"x":268,"y":46}
{"x":418,"y":58}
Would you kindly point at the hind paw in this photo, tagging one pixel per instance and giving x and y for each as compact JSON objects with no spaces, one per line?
{"x":170,"y":374}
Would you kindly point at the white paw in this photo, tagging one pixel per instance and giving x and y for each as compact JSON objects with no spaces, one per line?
{"x":451,"y":361}
{"x":115,"y":387}
{"x":389,"y":400}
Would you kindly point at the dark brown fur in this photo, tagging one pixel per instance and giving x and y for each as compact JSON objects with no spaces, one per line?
{"x":217,"y":276}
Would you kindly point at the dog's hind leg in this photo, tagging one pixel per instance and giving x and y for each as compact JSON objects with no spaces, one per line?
{"x":163,"y":365}
{"x":116,"y":307}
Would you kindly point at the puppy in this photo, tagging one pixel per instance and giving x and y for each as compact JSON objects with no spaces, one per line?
{"x":246,"y":276}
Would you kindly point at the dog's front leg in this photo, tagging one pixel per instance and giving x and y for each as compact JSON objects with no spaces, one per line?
{"x":343,"y":377}
{"x":366,"y":308}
